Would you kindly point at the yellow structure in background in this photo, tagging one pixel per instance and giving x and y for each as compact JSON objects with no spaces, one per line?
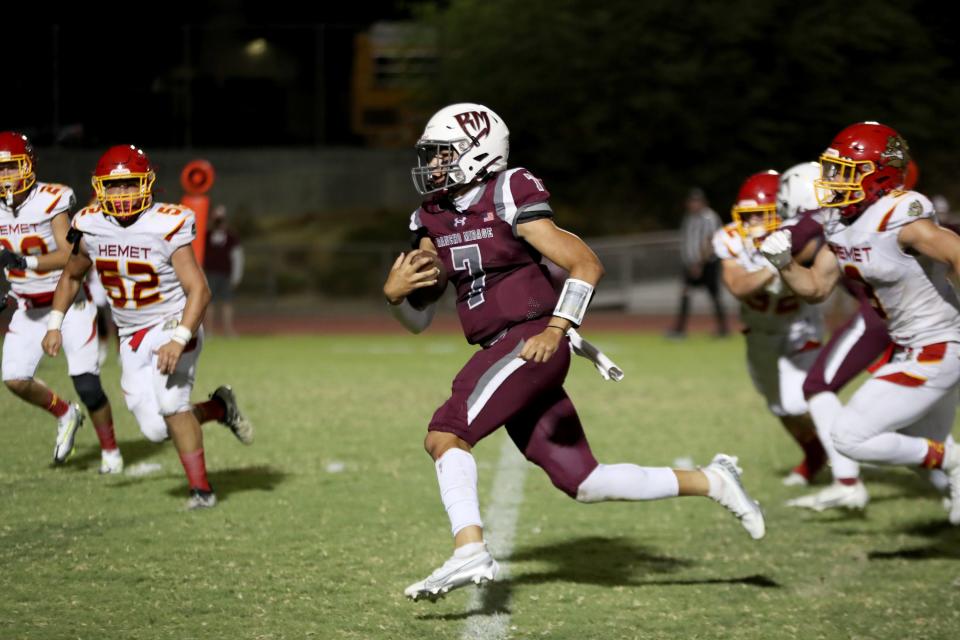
{"x":391,"y":61}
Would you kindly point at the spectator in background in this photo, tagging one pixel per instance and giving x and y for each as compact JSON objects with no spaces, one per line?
{"x":946,"y":217}
{"x":223,"y":264}
{"x":700,"y":265}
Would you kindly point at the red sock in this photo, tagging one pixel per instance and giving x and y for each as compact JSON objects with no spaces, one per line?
{"x":55,"y":405}
{"x":108,"y":441}
{"x":934,"y":458}
{"x":212,"y":409}
{"x":196,"y":469}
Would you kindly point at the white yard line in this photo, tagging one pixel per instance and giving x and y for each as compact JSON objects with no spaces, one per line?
{"x":500,"y":524}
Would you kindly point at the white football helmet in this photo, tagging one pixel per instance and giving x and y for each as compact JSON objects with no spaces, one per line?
{"x":461,"y":144}
{"x":797,"y":192}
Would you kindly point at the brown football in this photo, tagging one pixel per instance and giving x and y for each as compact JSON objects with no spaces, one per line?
{"x":420,"y":298}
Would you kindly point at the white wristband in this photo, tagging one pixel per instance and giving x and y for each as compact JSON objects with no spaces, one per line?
{"x":32,"y":262}
{"x":181,"y":335}
{"x":54,"y":320}
{"x":573,"y":301}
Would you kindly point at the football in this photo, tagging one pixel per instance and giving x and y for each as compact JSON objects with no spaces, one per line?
{"x":420,"y":298}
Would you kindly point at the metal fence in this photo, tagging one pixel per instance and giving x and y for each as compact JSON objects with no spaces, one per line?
{"x":642,"y":270}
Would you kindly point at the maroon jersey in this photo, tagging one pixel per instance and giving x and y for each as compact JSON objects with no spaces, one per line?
{"x":498,"y":276}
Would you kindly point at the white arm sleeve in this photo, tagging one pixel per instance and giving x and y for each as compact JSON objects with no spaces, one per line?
{"x":413,"y":320}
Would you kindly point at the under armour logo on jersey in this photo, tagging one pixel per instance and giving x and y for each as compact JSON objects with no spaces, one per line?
{"x":460,"y":222}
{"x":475,"y":124}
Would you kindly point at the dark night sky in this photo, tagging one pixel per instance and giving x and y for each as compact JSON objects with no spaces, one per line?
{"x":90,"y":85}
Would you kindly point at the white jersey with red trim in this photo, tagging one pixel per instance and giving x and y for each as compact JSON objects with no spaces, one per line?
{"x":28,"y":231}
{"x":910,"y":292}
{"x":764,"y":312}
{"x":134,"y":262}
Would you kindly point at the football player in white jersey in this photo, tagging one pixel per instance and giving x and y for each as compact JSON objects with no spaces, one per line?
{"x":887,"y":242}
{"x":33,"y":250}
{"x":783,"y":334}
{"x":142,"y":252}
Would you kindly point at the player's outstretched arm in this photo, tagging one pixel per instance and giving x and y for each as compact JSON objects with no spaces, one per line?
{"x":742,"y":283}
{"x":572,"y":254}
{"x":811,"y":284}
{"x":71,"y":278}
{"x":56,"y":259}
{"x":195,"y":285}
{"x":927,"y":238}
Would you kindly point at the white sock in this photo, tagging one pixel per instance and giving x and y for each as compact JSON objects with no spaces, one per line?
{"x":469,"y":549}
{"x":715,"y":480}
{"x":824,"y":409}
{"x":628,"y":482}
{"x":951,"y":454}
{"x":457,"y":475}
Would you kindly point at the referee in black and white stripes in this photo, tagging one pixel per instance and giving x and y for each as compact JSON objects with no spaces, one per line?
{"x":700,"y":266}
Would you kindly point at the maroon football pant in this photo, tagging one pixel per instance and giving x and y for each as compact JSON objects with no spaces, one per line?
{"x":496,"y":388}
{"x":852,"y":348}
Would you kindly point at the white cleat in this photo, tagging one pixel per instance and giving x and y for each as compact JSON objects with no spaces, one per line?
{"x":794,"y":479}
{"x":111,"y":462}
{"x":67,"y":427}
{"x":455,"y":573}
{"x":836,"y":496}
{"x":734,"y":497}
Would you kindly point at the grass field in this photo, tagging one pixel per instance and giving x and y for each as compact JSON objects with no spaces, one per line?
{"x":334,"y":510}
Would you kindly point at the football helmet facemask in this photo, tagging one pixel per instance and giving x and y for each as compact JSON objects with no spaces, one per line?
{"x":123,"y":181}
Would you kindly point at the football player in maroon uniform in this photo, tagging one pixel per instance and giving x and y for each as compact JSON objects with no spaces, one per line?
{"x":489,"y":226}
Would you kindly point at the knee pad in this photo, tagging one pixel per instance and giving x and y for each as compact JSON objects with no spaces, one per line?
{"x":90,"y":392}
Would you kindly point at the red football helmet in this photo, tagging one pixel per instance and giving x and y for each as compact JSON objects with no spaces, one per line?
{"x":864,"y":162}
{"x":123,"y":181}
{"x":913,"y":175}
{"x":755,"y":211}
{"x":16,"y":155}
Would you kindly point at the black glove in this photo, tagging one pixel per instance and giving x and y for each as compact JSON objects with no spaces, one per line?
{"x":3,"y":301}
{"x":10,"y":260}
